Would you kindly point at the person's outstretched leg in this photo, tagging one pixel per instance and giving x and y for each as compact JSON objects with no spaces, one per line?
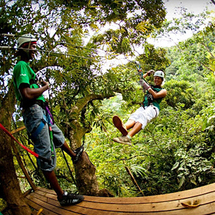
{"x":123,"y":129}
{"x":136,"y":128}
{"x":129,"y":124}
{"x":127,"y":139}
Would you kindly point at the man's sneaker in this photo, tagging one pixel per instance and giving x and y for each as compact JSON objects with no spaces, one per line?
{"x":70,"y":199}
{"x":123,"y":140}
{"x":118,"y":124}
{"x":78,"y":153}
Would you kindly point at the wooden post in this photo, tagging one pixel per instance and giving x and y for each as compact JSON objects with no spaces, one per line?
{"x":22,"y":166}
{"x":17,"y":130}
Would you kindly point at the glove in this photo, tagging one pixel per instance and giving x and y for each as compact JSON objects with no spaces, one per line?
{"x":144,"y":84}
{"x":150,"y":72}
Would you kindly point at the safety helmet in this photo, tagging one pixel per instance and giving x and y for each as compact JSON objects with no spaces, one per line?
{"x":26,"y":38}
{"x":159,"y":74}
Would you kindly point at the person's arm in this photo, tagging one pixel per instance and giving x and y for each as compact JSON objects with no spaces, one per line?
{"x":32,"y":93}
{"x":148,"y":73}
{"x":145,"y":75}
{"x":157,"y":95}
{"x":143,"y":82}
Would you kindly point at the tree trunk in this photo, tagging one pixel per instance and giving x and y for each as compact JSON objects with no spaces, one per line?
{"x":8,"y":179}
{"x":85,"y":171}
{"x":85,"y":176}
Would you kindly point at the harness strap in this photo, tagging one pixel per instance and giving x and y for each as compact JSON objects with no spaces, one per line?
{"x":155,"y":111}
{"x":40,"y":127}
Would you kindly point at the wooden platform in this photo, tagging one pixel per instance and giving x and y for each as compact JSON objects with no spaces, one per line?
{"x":196,"y":202}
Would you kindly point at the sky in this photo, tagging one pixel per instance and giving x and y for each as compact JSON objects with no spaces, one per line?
{"x":194,"y":6}
{"x":173,"y":9}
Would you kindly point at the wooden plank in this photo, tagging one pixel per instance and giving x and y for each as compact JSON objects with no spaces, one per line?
{"x":17,"y":130}
{"x":152,"y":207}
{"x":148,"y":199}
{"x":47,"y":206}
{"x":79,"y":209}
{"x":37,"y":206}
{"x":158,"y":198}
{"x":35,"y":209}
{"x":206,"y":201}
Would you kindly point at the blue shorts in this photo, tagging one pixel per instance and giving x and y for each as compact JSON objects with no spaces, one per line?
{"x":32,"y":118}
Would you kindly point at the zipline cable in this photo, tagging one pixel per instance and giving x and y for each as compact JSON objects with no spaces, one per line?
{"x":64,"y":44}
{"x":72,"y":55}
{"x":75,"y":46}
{"x":58,"y":42}
{"x":45,"y":51}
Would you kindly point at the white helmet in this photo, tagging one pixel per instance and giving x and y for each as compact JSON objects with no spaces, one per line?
{"x":26,"y":38}
{"x":159,"y":74}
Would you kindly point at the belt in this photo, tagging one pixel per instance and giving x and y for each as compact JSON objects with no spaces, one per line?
{"x":41,"y":103}
{"x":27,"y":104}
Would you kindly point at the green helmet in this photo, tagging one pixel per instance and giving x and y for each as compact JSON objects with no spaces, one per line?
{"x":26,"y":38}
{"x":159,"y":74}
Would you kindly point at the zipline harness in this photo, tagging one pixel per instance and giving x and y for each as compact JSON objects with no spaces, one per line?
{"x":48,"y":118}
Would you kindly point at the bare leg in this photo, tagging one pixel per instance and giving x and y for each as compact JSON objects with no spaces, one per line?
{"x":67,"y":149}
{"x":52,"y":179}
{"x":137,"y":127}
{"x":129,"y":124}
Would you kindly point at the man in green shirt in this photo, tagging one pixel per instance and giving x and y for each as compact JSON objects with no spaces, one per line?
{"x":37,"y":118}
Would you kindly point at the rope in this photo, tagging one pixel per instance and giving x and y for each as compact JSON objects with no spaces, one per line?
{"x":24,"y":147}
{"x":68,"y":167}
{"x":29,"y":141}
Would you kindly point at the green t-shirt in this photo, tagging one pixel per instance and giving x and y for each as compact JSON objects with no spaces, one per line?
{"x":23,"y":74}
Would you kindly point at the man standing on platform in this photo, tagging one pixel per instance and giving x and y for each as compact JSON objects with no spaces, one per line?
{"x":37,"y":118}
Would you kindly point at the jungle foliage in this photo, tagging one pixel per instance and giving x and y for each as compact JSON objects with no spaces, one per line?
{"x":72,"y":65}
{"x":176,"y":150}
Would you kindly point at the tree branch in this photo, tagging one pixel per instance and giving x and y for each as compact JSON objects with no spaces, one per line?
{"x":84,"y":101}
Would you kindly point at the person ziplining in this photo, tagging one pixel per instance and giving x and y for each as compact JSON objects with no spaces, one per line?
{"x":38,"y":120}
{"x":150,"y":108}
